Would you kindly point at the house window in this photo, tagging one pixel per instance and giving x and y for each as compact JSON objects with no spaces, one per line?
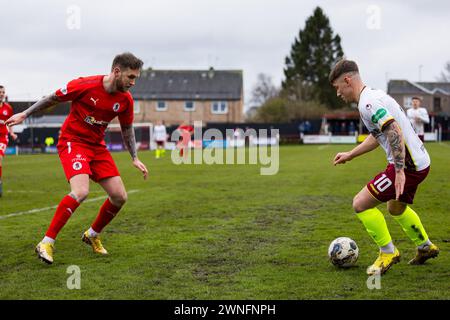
{"x":219,"y":107}
{"x":437,"y":104}
{"x":189,"y":106}
{"x":161,"y":106}
{"x":136,"y":107}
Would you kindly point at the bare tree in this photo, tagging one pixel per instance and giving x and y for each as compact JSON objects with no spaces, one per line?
{"x":445,"y":75}
{"x":264,"y":90}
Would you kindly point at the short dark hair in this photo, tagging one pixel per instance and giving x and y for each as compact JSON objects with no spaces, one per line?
{"x":416,"y":98}
{"x":341,"y":67}
{"x":2,"y":87}
{"x":127,"y":60}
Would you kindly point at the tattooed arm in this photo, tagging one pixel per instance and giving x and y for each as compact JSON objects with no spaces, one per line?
{"x":129,"y":140}
{"x":130,"y":143}
{"x":395,"y":138}
{"x":42,"y":104}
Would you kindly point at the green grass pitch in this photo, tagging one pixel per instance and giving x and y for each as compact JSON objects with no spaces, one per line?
{"x":219,"y":231}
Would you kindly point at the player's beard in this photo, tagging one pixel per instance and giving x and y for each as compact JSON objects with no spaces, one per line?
{"x":120,"y":85}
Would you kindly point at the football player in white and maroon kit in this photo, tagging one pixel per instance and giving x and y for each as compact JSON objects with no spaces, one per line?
{"x":96,"y":100}
{"x":408,"y":165}
{"x":6,"y":111}
{"x":418,"y":117}
{"x":160,"y":136}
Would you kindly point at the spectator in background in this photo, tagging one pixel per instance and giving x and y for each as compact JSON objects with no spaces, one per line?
{"x":307,"y":127}
{"x":418,"y":117}
{"x":351,"y":128}
{"x":237,"y":133}
{"x":343,"y":128}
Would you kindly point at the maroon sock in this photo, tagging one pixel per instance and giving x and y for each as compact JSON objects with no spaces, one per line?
{"x":107,"y":212}
{"x":66,"y":207}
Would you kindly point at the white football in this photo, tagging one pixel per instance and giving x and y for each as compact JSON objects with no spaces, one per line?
{"x":343,"y":252}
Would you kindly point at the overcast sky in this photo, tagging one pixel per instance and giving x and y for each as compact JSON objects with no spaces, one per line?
{"x":47,"y":43}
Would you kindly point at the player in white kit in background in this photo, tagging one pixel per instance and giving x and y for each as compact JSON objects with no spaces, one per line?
{"x":418,"y":117}
{"x":160,"y":136}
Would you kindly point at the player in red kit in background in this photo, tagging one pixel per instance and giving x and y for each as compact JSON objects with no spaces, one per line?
{"x":186,"y":131}
{"x":6,"y":111}
{"x":96,"y":100}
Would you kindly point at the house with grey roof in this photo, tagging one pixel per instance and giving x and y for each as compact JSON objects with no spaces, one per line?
{"x":435,"y":95}
{"x":176,"y":96}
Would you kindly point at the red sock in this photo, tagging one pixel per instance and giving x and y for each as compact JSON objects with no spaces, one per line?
{"x":107,"y":212}
{"x":66,"y":207}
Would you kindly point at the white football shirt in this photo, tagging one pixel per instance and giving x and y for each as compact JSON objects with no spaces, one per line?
{"x":418,"y":117}
{"x":377,"y":109}
{"x":160,"y":133}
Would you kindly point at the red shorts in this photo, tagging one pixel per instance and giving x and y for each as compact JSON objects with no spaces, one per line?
{"x":3,"y":144}
{"x":382,"y":187}
{"x":79,"y":158}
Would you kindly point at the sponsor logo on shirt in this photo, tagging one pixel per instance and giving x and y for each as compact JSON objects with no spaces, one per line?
{"x":2,"y":122}
{"x":79,"y":157}
{"x":116,"y":107}
{"x":379,"y":115}
{"x":92,"y":121}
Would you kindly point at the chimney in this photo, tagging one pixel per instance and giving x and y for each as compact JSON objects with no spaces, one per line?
{"x":211,"y":73}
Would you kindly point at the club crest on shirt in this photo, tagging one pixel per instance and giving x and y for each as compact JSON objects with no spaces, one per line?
{"x":77,"y":166}
{"x":64,"y":90}
{"x":368,"y":106}
{"x":116,"y":107}
{"x":5,"y":112}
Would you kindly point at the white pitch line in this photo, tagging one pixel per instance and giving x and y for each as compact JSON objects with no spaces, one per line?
{"x":15,"y":214}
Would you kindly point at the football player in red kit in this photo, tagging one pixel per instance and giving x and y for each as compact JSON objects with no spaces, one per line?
{"x":186,"y":131}
{"x":6,"y":111}
{"x":96,"y":100}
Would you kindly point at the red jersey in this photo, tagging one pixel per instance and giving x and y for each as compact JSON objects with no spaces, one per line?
{"x":92,"y":110}
{"x":186,"y":128}
{"x":6,"y":112}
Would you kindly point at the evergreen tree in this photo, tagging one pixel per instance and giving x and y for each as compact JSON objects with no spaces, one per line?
{"x":312,"y":56}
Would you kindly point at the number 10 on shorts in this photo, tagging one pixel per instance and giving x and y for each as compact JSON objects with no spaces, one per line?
{"x":382,"y":183}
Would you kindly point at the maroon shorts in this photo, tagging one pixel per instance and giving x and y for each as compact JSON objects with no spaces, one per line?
{"x":160,"y":143}
{"x":382,"y":187}
{"x":3,"y":144}
{"x":79,"y":158}
{"x":421,"y":137}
